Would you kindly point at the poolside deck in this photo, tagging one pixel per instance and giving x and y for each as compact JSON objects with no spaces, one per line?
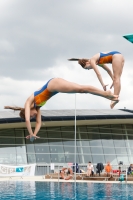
{"x":43,"y":179}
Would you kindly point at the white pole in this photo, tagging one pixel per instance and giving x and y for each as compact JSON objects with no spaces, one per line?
{"x":75,"y":138}
{"x":75,"y":149}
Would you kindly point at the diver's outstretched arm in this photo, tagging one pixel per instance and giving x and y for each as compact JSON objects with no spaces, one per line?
{"x":38,"y":122}
{"x":106,"y":68}
{"x":28,"y":104}
{"x":37,"y":127}
{"x":94,"y":66}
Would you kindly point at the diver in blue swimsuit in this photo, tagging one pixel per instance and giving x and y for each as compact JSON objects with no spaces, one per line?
{"x":52,"y":87}
{"x":101,"y":59}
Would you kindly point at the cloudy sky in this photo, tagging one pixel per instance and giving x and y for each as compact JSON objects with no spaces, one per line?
{"x":38,"y":36}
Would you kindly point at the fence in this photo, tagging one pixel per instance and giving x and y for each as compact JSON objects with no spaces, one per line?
{"x":43,"y":169}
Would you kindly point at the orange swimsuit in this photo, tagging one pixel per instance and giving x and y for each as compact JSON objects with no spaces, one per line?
{"x":107,"y":57}
{"x":108,"y":168}
{"x":41,"y":96}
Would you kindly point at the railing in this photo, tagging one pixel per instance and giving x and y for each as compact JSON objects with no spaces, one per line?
{"x":45,"y":169}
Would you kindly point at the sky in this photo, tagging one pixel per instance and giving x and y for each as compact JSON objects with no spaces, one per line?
{"x":38,"y":37}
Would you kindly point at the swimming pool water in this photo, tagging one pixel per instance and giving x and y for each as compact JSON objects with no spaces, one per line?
{"x":18,"y":190}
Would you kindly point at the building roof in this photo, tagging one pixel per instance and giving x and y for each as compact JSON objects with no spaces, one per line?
{"x":69,"y":115}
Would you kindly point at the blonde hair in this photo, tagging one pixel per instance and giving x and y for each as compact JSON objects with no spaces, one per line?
{"x":82,"y":61}
{"x":22,"y":110}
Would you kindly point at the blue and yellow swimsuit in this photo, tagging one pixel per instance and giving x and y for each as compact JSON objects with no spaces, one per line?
{"x":42,"y":96}
{"x":107,"y":57}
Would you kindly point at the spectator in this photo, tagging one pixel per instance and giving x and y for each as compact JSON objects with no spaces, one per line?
{"x":66,"y":173}
{"x":77,"y":167}
{"x":130,"y":169}
{"x":108,"y":169}
{"x":90,"y":169}
{"x":99,"y":168}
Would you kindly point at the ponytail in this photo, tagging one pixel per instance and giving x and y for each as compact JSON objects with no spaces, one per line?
{"x":22,"y":110}
{"x":82,"y":62}
{"x":13,"y":108}
{"x":73,"y":59}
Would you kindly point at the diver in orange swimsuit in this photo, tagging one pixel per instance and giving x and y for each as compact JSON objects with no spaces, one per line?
{"x":101,"y":59}
{"x":41,"y":96}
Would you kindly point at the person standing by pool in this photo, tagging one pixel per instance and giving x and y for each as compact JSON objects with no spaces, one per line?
{"x":90,"y":169}
{"x":108,"y":169}
{"x":100,"y":59}
{"x":130,"y":169}
{"x":52,"y":87}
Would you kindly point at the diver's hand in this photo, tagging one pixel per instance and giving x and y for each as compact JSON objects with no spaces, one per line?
{"x":32,"y":136}
{"x":112,"y":85}
{"x":104,"y":87}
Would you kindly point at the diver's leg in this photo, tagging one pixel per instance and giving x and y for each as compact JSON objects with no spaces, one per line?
{"x":61,"y":85}
{"x":117,"y":65}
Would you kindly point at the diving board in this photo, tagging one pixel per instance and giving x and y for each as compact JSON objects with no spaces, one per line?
{"x":129,"y":37}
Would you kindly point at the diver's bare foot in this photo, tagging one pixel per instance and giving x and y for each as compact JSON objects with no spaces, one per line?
{"x":113,"y":103}
{"x":111,"y":96}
